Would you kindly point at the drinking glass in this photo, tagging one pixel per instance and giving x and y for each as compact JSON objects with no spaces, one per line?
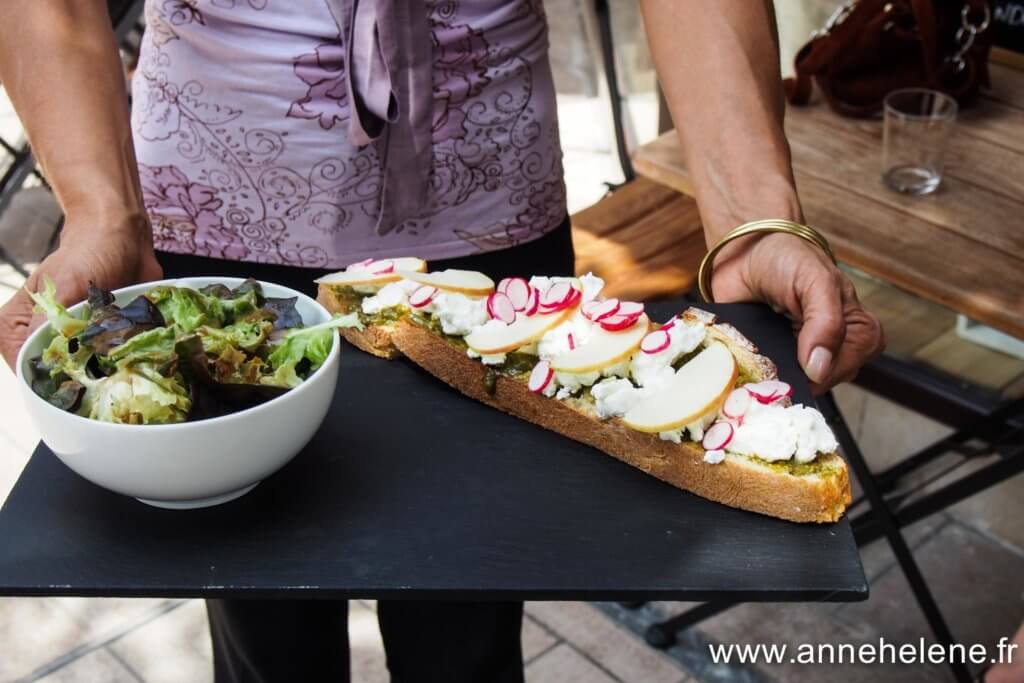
{"x":918,"y":123}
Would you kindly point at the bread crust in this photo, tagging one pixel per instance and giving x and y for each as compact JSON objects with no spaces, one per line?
{"x":737,"y":481}
{"x":373,"y":339}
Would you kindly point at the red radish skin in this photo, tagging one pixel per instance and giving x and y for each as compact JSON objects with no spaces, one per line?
{"x":776,"y":388}
{"x":760,"y":393}
{"x":534,"y":303}
{"x":541,"y":377}
{"x":556,"y":295}
{"x":718,"y":436}
{"x":568,"y":301}
{"x":362,"y":264}
{"x":737,"y":404}
{"x":573,"y":299}
{"x":499,"y":307}
{"x":382,"y":267}
{"x":609,"y":307}
{"x":503,"y":285}
{"x":518,"y":290}
{"x":589,"y":309}
{"x":572,"y":342}
{"x":618,"y":322}
{"x":422,"y":296}
{"x":655,"y":342}
{"x":630,"y":308}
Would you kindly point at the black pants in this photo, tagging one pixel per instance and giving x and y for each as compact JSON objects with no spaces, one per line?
{"x":267,"y":641}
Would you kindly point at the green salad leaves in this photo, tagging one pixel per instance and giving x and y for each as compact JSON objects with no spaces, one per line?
{"x":176,"y":354}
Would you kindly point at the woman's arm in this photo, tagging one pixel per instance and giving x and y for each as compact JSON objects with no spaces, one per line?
{"x":61,"y":69}
{"x":718,"y":65}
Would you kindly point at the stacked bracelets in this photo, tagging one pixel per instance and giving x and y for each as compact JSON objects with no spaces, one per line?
{"x":804,"y":232}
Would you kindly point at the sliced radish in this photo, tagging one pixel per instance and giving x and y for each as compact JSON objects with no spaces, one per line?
{"x":548,"y":305}
{"x":361,"y":265}
{"x":618,"y":322}
{"x":589,"y":308}
{"x":778,"y":388}
{"x":718,"y":436}
{"x":769,"y":391}
{"x":541,"y":377}
{"x":382,"y":267}
{"x":503,"y":285}
{"x":656,"y":342}
{"x":605,"y":309}
{"x":422,"y":296}
{"x":572,"y":342}
{"x":518,"y":290}
{"x":556,"y":294}
{"x":574,"y":297}
{"x":737,"y":404}
{"x":670,"y":322}
{"x":760,"y":393}
{"x":500,"y":307}
{"x":630,"y":308}
{"x":534,"y":303}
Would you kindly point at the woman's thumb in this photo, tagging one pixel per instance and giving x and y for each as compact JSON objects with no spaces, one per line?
{"x":822,"y":330}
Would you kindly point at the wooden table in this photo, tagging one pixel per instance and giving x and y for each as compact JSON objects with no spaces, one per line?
{"x":962,"y":247}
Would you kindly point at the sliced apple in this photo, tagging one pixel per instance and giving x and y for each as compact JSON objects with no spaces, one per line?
{"x":603,"y":349}
{"x":468,"y":282}
{"x":697,"y":389}
{"x":368,"y":273}
{"x":503,"y":339}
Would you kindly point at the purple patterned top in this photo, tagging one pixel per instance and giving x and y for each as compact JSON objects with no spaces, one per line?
{"x":249,"y":150}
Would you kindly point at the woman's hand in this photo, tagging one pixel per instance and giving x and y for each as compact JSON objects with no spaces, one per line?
{"x":836,"y":334}
{"x":110,"y":257}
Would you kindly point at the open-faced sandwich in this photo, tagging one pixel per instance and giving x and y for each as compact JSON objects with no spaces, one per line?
{"x":689,"y":401}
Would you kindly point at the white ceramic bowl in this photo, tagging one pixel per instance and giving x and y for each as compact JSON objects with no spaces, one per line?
{"x":192,"y":464}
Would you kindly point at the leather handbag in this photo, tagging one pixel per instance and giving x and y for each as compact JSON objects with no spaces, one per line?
{"x":868,"y":48}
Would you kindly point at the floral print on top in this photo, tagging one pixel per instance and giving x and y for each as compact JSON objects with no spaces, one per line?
{"x":241,"y":117}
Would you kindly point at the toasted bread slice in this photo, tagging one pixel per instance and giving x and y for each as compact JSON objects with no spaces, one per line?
{"x":818,"y":494}
{"x":812,"y":492}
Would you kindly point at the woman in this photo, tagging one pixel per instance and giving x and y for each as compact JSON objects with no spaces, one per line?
{"x":277,"y":139}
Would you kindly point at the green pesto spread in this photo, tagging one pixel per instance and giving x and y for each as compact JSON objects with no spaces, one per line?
{"x":352,"y":300}
{"x":348,"y":296}
{"x":384,"y":316}
{"x":797,"y":469}
{"x":434,"y":325}
{"x":516,"y":364}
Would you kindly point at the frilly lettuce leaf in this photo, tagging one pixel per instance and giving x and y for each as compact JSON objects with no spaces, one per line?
{"x":154,"y":346}
{"x":310,"y":344}
{"x":246,"y":335}
{"x":47,"y":304}
{"x":138,"y":394}
{"x":187,"y":308}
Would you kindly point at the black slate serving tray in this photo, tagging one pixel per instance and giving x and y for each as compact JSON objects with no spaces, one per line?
{"x":411,"y":490}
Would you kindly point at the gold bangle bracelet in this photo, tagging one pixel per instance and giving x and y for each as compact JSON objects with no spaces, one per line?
{"x":804,"y":232}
